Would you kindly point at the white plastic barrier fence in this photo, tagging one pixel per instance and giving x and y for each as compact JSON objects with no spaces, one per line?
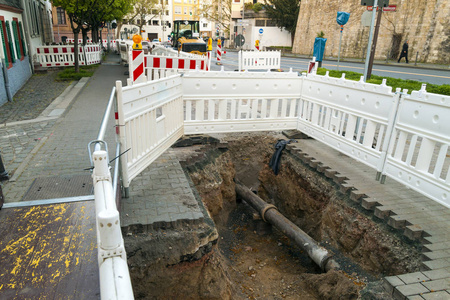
{"x":159,"y":66}
{"x":93,"y":54}
{"x":57,"y":56}
{"x":259,"y":60}
{"x":403,"y":136}
{"x":115,"y":282}
{"x":240,"y":101}
{"x":419,"y":152}
{"x":150,"y":120}
{"x":71,"y":41}
{"x":350,"y":116}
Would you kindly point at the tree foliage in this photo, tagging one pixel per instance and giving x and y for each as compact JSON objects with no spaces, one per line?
{"x":85,"y":15}
{"x":218,"y":11}
{"x":284,"y":13}
{"x":143,"y":9}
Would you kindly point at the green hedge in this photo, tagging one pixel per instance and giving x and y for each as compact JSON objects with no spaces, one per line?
{"x":411,"y":85}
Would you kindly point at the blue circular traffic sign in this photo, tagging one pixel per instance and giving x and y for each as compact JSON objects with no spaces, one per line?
{"x":261,"y":31}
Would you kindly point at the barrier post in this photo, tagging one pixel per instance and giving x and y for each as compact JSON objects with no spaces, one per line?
{"x":137,"y":63}
{"x":257,"y":45}
{"x":312,"y":67}
{"x":208,"y":52}
{"x":219,"y":52}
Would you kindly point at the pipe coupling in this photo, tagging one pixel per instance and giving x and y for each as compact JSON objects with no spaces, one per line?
{"x":265,"y":209}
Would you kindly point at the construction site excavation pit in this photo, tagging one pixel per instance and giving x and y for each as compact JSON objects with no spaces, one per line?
{"x":235,"y":254}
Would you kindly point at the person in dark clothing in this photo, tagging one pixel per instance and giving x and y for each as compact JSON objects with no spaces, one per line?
{"x":404,"y":52}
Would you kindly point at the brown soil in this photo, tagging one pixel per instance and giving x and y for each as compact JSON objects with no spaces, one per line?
{"x":249,"y":259}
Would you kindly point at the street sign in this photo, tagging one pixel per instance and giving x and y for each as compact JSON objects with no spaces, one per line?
{"x":380,"y":3}
{"x":387,"y":8}
{"x":240,"y":40}
{"x":241,"y":22}
{"x":261,"y":31}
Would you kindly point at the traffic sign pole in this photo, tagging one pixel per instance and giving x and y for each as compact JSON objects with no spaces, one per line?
{"x":374,"y":46}
{"x":369,"y":45}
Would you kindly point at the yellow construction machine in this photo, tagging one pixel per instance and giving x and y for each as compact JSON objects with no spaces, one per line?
{"x":186,"y":37}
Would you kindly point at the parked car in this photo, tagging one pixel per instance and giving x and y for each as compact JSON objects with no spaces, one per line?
{"x":146,"y":46}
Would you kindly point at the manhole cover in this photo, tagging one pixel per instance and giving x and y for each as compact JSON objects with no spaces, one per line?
{"x":59,"y":187}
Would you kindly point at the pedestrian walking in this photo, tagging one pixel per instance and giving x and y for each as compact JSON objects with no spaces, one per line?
{"x":404,"y":52}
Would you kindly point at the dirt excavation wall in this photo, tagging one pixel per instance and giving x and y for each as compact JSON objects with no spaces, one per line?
{"x":233,"y":254}
{"x":425,"y":23}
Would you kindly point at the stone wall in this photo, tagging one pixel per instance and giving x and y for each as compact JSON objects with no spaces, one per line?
{"x":425,"y":23}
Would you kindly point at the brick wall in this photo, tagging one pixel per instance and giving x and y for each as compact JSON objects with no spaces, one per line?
{"x":424,"y":22}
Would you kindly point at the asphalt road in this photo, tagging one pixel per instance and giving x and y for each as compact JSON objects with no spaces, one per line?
{"x":402,"y":71}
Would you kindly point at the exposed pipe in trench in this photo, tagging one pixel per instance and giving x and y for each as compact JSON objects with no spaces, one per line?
{"x":270,"y":214}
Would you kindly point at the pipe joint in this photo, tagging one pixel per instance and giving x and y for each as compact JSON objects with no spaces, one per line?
{"x":265,"y":209}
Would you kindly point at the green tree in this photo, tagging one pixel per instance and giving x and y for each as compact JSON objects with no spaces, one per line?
{"x":218,"y":12}
{"x":284,"y":13}
{"x":84,"y":13}
{"x":143,"y":9}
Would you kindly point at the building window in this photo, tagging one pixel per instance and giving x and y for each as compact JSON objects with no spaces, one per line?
{"x":237,"y":1}
{"x":155,"y":22}
{"x":178,"y":10}
{"x":271,"y":23}
{"x":5,"y":43}
{"x":18,"y":41}
{"x":167,"y":12}
{"x":154,"y":11}
{"x":34,"y":17}
{"x":61,"y":14}
{"x":185,"y":10}
{"x":177,"y":1}
{"x":260,"y":23}
{"x":205,"y":25}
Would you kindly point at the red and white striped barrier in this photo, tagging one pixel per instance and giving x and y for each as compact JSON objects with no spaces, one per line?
{"x":219,"y":51}
{"x":159,"y":66}
{"x":137,"y":66}
{"x":312,"y":66}
{"x":93,"y":54}
{"x":71,"y":41}
{"x":61,"y":56}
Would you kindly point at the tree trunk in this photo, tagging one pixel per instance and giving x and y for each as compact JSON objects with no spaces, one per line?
{"x":76,"y":48}
{"x":84,"y":34}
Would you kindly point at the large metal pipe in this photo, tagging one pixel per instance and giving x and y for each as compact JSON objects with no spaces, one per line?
{"x":270,"y":214}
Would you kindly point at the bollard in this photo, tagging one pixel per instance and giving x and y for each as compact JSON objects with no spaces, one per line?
{"x":417,"y":54}
{"x":219,"y":52}
{"x":3,"y":174}
{"x":137,"y":63}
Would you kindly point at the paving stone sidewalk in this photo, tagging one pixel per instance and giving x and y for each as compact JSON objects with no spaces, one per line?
{"x":57,"y":147}
{"x":418,"y":217}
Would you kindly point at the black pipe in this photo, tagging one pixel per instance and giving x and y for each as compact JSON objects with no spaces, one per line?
{"x":270,"y":214}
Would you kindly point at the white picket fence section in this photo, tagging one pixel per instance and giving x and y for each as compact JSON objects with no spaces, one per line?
{"x":399,"y":135}
{"x":150,"y":120}
{"x":62,"y":55}
{"x":259,"y":60}
{"x":419,"y":154}
{"x":115,"y":282}
{"x":351,"y":117}
{"x":240,"y":101}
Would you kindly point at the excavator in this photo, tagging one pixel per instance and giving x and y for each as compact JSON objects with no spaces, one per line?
{"x":186,"y":37}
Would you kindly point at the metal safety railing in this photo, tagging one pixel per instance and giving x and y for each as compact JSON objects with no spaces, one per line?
{"x":115,"y":281}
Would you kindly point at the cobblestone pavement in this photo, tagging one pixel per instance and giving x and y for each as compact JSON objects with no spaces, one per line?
{"x":56,"y":146}
{"x":31,"y":100}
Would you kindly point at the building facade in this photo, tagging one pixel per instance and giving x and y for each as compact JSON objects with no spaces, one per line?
{"x":24,"y":25}
{"x":255,"y":25}
{"x":157,"y":24}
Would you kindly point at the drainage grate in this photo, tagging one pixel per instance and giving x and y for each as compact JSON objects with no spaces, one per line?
{"x":59,"y":187}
